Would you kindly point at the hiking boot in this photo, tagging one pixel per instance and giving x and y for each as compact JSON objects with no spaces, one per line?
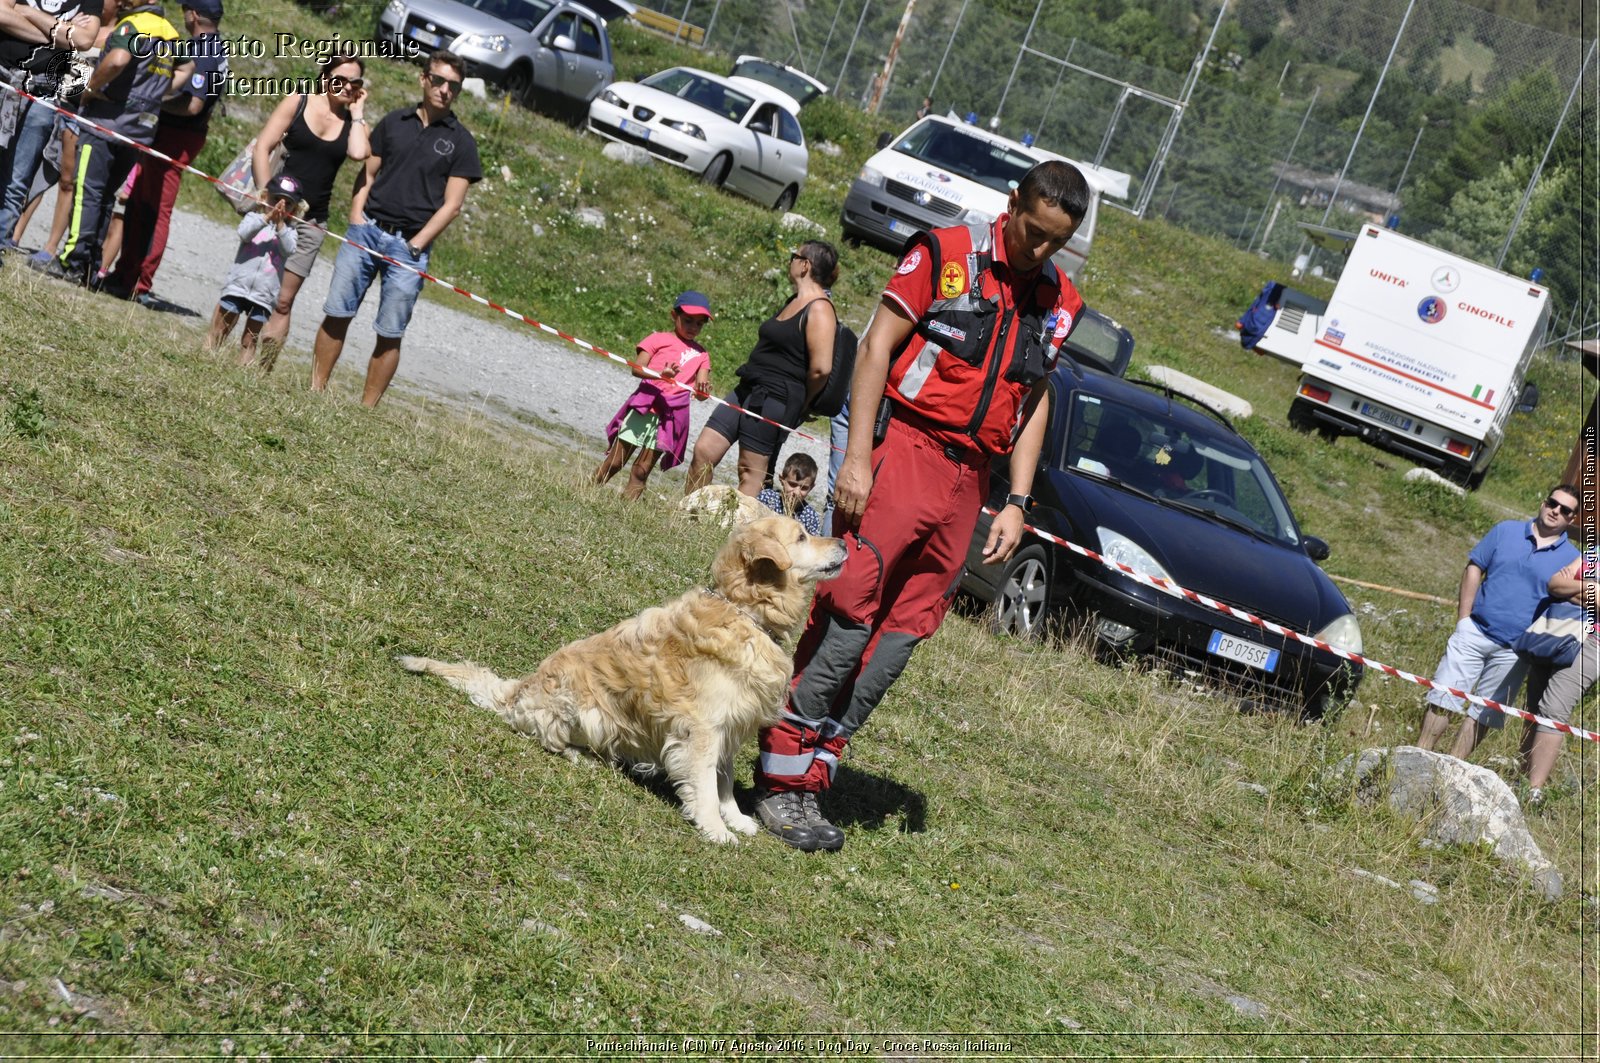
{"x":829,"y":838}
{"x":783,"y":815}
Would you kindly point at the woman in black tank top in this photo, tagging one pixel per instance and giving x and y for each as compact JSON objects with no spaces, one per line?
{"x":787,"y":367}
{"x":317,"y":134}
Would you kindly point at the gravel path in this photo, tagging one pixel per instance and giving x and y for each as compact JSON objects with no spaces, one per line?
{"x":501,"y":368}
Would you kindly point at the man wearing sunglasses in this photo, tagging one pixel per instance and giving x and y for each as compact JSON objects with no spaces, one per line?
{"x":1506,"y":580}
{"x":415,"y":182}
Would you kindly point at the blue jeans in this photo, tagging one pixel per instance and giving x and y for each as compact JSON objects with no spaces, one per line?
{"x":33,"y":136}
{"x":354,"y":270}
{"x":838,"y":436}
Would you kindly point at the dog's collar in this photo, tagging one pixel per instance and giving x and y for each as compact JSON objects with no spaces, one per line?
{"x":748,"y":615}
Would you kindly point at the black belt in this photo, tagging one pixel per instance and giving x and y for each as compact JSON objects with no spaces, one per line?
{"x":394,"y":230}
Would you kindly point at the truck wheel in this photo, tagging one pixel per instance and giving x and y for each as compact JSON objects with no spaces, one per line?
{"x":1300,"y":418}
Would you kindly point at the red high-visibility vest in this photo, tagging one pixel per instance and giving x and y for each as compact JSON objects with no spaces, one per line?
{"x":974,"y":355}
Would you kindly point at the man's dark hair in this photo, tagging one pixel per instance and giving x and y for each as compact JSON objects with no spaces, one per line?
{"x":801,"y":465}
{"x":446,"y":57}
{"x":1569,"y":489}
{"x":1058,"y":183}
{"x":824,"y":261}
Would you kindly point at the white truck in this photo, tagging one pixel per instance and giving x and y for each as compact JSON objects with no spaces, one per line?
{"x":1420,"y":352}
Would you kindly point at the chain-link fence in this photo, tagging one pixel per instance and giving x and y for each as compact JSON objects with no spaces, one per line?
{"x":1280,"y":125}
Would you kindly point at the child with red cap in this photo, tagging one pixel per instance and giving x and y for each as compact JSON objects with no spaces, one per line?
{"x":655,"y":419}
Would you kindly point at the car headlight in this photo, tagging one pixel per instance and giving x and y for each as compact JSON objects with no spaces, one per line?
{"x":395,"y":8}
{"x":1117,"y":547}
{"x":1345,"y":633}
{"x":977,"y":217}
{"x":686,"y":128}
{"x":869,"y":176}
{"x":493,"y":42}
{"x":613,"y":99}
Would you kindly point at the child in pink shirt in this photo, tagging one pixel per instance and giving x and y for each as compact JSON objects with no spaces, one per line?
{"x":655,"y":419}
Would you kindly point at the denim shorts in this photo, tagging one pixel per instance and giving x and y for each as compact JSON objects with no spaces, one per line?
{"x":253,"y":311}
{"x":354,"y":270}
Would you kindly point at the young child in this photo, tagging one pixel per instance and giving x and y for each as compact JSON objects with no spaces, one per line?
{"x":655,"y":418}
{"x":251,"y":290}
{"x":798,"y":479}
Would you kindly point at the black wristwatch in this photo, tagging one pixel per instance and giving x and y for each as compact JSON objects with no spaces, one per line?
{"x":1020,"y":501}
{"x":416,"y":252}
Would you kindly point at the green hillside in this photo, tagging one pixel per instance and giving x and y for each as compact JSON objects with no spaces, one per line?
{"x":229,"y":824}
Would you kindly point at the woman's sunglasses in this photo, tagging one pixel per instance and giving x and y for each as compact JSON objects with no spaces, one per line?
{"x":339,"y":84}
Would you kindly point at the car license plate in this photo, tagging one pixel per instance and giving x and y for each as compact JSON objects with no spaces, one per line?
{"x":642,"y":132}
{"x":900,"y":228}
{"x":432,"y":40}
{"x":1249,"y":654}
{"x":1393,"y":420}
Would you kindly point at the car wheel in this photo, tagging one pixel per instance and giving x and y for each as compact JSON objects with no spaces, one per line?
{"x":1024,"y":596}
{"x":717,"y":170}
{"x":786,"y":201}
{"x":519,"y":84}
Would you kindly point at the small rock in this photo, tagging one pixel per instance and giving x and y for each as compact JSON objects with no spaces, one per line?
{"x":105,"y":893}
{"x":593,"y":217}
{"x":1253,"y":787}
{"x":537,"y":229}
{"x":505,"y":173}
{"x":1426,"y":892}
{"x":1071,"y":1024}
{"x":1360,"y":873}
{"x":791,"y":220}
{"x":699,"y":926}
{"x":627,"y":154}
{"x":1250,"y":1009}
{"x":475,"y":87}
{"x":536,"y":926}
{"x":828,"y":148}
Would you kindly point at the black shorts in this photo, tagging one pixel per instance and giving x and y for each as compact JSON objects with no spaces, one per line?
{"x":756,"y":436}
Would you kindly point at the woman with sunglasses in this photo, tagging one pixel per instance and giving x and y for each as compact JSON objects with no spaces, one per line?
{"x":790,"y":363}
{"x":318,"y":133}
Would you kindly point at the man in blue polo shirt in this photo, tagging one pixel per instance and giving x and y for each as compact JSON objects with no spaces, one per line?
{"x":1506,"y":579}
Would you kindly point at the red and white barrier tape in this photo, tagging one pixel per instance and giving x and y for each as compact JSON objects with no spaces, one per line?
{"x":508,"y":312}
{"x":1160,"y":584}
{"x":1169,"y":587}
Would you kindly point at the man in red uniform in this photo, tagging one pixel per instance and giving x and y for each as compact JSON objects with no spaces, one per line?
{"x":970,"y":325}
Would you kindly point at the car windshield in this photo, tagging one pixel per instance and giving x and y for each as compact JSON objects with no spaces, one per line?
{"x":782,"y":78}
{"x":1212,"y":473}
{"x":701,"y":91}
{"x":1098,"y":341}
{"x":977,"y":159}
{"x":523,"y":14}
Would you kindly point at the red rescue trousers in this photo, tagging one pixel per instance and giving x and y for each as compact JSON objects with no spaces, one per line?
{"x":149,"y":212}
{"x":904,"y":565}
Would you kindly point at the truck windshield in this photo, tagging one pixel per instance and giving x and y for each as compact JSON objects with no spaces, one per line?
{"x":714,"y":96}
{"x":990,"y":164}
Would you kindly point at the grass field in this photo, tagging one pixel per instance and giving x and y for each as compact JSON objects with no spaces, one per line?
{"x":229,"y":824}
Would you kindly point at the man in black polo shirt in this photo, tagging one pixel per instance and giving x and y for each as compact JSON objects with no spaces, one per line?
{"x":415,"y":181}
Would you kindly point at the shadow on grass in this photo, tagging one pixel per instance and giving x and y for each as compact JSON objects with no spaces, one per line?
{"x":864,"y":799}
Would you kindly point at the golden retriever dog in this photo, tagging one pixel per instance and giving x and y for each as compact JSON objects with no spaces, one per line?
{"x":680,"y":687}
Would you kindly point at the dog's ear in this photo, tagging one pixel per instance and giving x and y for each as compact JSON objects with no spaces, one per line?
{"x":761,"y":551}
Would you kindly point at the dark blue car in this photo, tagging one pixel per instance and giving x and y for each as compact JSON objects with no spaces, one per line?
{"x":1144,"y":477}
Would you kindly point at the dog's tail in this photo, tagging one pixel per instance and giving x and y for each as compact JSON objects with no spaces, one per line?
{"x":487,"y":690}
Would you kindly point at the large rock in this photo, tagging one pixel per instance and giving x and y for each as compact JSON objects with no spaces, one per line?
{"x":801,"y":223}
{"x":630,"y":154}
{"x":1459,"y":803}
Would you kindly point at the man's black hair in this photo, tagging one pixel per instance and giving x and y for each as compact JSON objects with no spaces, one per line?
{"x":1058,"y":183}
